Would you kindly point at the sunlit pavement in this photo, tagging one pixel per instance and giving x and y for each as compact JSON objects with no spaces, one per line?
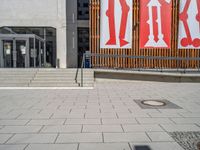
{"x":105,"y":118}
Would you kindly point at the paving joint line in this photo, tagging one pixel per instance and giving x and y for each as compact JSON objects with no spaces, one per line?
{"x":9,"y":138}
{"x":26,"y":146}
{"x":56,"y":138}
{"x":26,"y":124}
{"x":148,"y":136}
{"x":78,"y":146}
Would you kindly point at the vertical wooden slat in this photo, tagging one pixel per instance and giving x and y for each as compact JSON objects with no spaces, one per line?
{"x":136,"y":51}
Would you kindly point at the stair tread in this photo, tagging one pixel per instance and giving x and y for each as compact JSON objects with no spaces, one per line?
{"x":44,"y":77}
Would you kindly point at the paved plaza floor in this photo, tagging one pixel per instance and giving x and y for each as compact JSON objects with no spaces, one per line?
{"x":105,"y":118}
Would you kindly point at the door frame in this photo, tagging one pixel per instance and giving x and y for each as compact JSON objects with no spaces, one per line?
{"x":26,"y":38}
{"x":14,"y":41}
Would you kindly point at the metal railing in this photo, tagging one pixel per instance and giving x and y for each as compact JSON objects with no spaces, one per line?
{"x":98,"y":64}
{"x":77,"y":72}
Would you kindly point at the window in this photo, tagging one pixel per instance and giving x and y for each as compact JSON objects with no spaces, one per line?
{"x":83,"y":43}
{"x":83,"y":9}
{"x":50,"y":36}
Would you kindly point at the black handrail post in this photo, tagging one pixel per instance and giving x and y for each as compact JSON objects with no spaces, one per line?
{"x":82,"y":66}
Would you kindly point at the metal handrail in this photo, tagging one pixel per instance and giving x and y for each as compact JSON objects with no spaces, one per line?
{"x":141,"y":65}
{"x":77,"y":72}
{"x":132,"y":57}
{"x":145,"y":57}
{"x":82,"y":66}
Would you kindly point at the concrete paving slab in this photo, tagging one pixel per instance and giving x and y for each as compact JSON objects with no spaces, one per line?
{"x":29,"y":115}
{"x":13,"y":147}
{"x":13,"y":122}
{"x":80,"y":138}
{"x":160,"y":137}
{"x":104,"y":146}
{"x":20,"y":129}
{"x":141,"y":128}
{"x":182,"y":127}
{"x":52,"y":147}
{"x":47,"y":122}
{"x":126,"y":137}
{"x":62,"y":129}
{"x":32,"y":138}
{"x":4,"y":137}
{"x":83,"y":121}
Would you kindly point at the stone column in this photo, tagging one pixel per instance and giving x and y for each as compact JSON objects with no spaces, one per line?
{"x":61,"y":47}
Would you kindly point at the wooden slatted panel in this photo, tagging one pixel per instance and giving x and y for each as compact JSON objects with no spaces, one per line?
{"x":136,"y":51}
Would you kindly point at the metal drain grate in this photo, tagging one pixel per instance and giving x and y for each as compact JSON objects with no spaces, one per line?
{"x":156,"y":104}
{"x":141,"y":147}
{"x":187,"y":140}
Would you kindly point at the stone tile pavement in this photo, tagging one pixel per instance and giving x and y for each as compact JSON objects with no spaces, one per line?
{"x":105,"y":118}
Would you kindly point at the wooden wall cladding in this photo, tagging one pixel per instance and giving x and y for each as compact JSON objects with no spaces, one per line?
{"x":110,"y":62}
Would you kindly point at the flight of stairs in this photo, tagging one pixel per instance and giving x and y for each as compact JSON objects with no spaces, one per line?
{"x":45,"y":78}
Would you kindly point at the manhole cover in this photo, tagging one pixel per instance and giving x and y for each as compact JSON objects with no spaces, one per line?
{"x":156,"y":104}
{"x":153,"y":103}
{"x":198,"y":145}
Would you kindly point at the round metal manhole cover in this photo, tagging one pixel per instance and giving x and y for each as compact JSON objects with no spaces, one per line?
{"x":153,"y":103}
{"x":198,"y":145}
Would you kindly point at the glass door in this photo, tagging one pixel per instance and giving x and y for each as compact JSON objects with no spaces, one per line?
{"x":8,"y":53}
{"x":21,"y":53}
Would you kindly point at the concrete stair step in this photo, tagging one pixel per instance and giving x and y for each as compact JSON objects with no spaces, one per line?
{"x":67,"y":76}
{"x":18,"y":70}
{"x":62,"y":79}
{"x":51,"y":82}
{"x":44,"y":77}
{"x":16,"y":77}
{"x":13,"y":85}
{"x":16,"y":73}
{"x":15,"y":81}
{"x":61,"y":74}
{"x":53,"y":85}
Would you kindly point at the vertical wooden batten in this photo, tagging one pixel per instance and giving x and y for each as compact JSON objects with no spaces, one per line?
{"x":136,"y":51}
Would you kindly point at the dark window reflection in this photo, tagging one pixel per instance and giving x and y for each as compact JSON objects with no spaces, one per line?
{"x":83,"y":43}
{"x":83,"y":9}
{"x":39,"y":31}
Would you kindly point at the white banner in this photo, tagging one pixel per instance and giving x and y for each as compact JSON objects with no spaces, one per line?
{"x":189,"y":24}
{"x":116,"y":24}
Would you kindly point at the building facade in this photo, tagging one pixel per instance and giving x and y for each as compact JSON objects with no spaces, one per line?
{"x":149,"y":34}
{"x":43,"y":33}
{"x":56,"y":33}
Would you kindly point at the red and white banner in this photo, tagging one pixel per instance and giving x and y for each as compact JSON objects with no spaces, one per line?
{"x":189,"y":24}
{"x":155,"y":23}
{"x":116,"y":24}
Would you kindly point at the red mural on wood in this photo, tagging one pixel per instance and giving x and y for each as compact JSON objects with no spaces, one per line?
{"x":184,"y":17}
{"x":155,"y":23}
{"x":117,"y":25}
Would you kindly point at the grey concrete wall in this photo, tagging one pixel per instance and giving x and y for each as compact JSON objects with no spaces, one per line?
{"x":72,"y":33}
{"x":38,"y":13}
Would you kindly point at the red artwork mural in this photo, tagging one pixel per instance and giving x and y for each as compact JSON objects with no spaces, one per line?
{"x":116,"y":24}
{"x":155,"y":23}
{"x":111,"y":19}
{"x":189,"y":24}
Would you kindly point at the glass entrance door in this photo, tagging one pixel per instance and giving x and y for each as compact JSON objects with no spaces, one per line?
{"x":8,"y":53}
{"x":21,"y":53}
{"x":16,"y":53}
